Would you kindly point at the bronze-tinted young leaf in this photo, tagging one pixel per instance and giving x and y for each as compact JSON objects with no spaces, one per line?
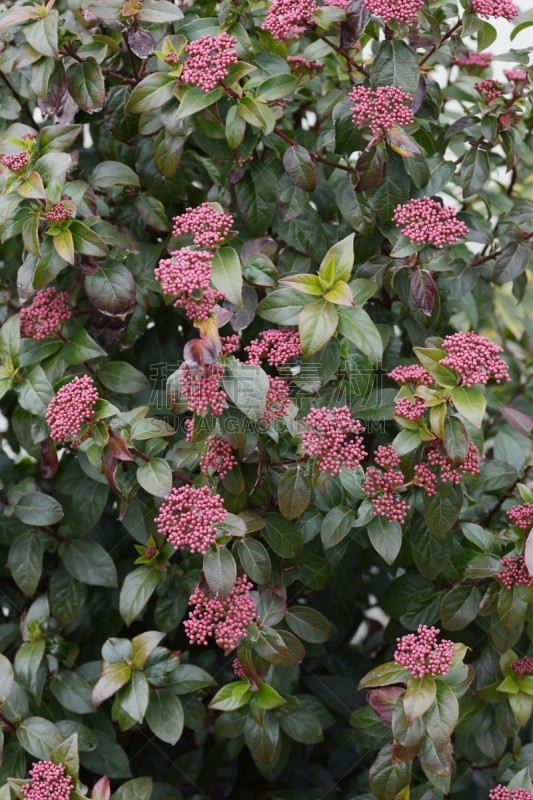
{"x":86,"y":85}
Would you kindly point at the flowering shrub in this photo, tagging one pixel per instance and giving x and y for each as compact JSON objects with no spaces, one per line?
{"x":265,"y":491}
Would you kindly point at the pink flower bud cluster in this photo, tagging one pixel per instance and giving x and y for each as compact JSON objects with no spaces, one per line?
{"x":71,"y":408}
{"x":229,"y":344}
{"x":502,"y":793}
{"x":412,"y":373}
{"x":188,"y":518}
{"x":218,"y":457}
{"x":238,"y":670}
{"x":475,"y":358}
{"x":225,"y":621}
{"x":28,"y":137}
{"x":300,"y":65}
{"x":514,"y":572}
{"x":381,"y":109}
{"x":425,"y":221}
{"x":172,"y":58}
{"x":277,"y":400}
{"x":494,"y":8}
{"x":187,"y":274}
{"x":201,"y":388}
{"x":425,"y":479}
{"x":17,"y":162}
{"x":45,"y":315}
{"x":286,"y":18}
{"x":522,"y":667}
{"x":478,"y":60}
{"x":422,"y":654}
{"x":208,"y":227}
{"x":400,"y":10}
{"x":386,"y":457}
{"x":409,"y":409}
{"x":208,"y":59}
{"x":48,"y":782}
{"x":336,"y":3}
{"x":381,"y":488}
{"x":489,"y":89}
{"x":522,"y":516}
{"x":332,"y":436}
{"x":453,"y":473}
{"x":58,"y":213}
{"x":517,"y":75}
{"x":276,"y":346}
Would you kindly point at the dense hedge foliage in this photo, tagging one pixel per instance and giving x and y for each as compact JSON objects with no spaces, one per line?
{"x":264,"y":472}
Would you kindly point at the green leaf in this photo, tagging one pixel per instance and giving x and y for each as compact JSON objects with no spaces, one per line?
{"x":64,"y":245}
{"x":67,"y":754}
{"x":386,"y":537}
{"x":279,"y":647}
{"x":38,"y":737}
{"x":35,"y":392}
{"x":247,"y":386}
{"x":475,"y":171}
{"x":302,"y":726}
{"x":138,"y":788}
{"x":300,"y":167}
{"x":317,"y":324}
{"x":73,"y":692}
{"x":336,"y":525}
{"x":340,"y":294}
{"x":155,"y":477}
{"x":231,"y":697}
{"x":396,"y":64}
{"x":86,"y":85}
{"x":262,"y":740}
{"x":387,"y":776}
{"x":193,"y":101}
{"x":25,"y":561}
{"x":384,"y":675}
{"x":164,"y":716}
{"x":220,"y":571}
{"x":7,"y":677}
{"x":459,"y":607}
{"x":142,"y":645}
{"x":282,"y":536}
{"x":226,"y":274}
{"x":356,"y":326}
{"x":136,"y":591}
{"x":441,"y":719}
{"x":81,"y":347}
{"x":276,"y":87}
{"x":308,"y":284}
{"x":470,"y":402}
{"x":441,"y":511}
{"x":111,"y":289}
{"x":88,"y":562}
{"x":122,"y":378}
{"x":294,"y":493}
{"x":36,"y":508}
{"x":86,"y":241}
{"x":114,"y":677}
{"x":42,"y":35}
{"x":107,"y":174}
{"x":418,"y":697}
{"x":151,"y":93}
{"x":134,"y":697}
{"x":282,"y":306}
{"x":338,"y":261}
{"x":255,"y":560}
{"x":456,"y":439}
{"x":308,"y":624}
